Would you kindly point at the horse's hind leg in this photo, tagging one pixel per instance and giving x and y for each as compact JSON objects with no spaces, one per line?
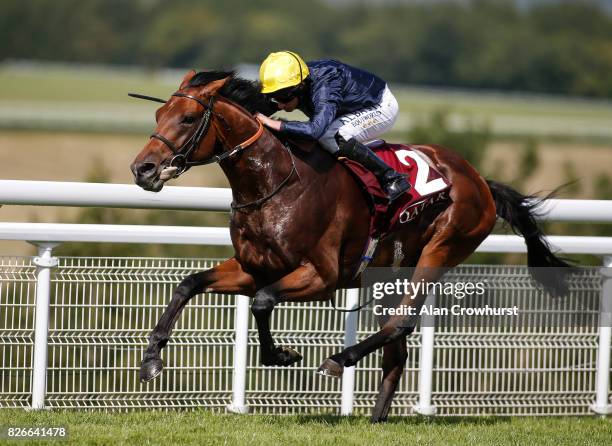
{"x":451,"y":243}
{"x":226,"y":277}
{"x":394,"y":359}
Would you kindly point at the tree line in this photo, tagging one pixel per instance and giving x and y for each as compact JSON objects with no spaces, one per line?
{"x":562,"y":47}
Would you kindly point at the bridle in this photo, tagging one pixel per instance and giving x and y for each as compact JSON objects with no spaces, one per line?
{"x":181,"y":160}
{"x":183,"y":153}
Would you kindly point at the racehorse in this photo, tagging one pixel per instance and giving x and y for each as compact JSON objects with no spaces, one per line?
{"x":299,"y":221}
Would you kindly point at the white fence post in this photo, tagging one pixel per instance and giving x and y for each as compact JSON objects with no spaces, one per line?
{"x":424,"y":406}
{"x":602,"y":405}
{"x":45,"y":261}
{"x":350,"y":338}
{"x":241,"y":327}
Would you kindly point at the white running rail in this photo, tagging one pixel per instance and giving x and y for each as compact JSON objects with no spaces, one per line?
{"x":46,"y":236}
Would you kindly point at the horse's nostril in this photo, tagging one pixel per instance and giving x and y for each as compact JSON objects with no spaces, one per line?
{"x":146,"y":169}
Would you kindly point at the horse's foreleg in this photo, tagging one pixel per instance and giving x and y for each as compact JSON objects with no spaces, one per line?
{"x":226,"y":277}
{"x":302,"y":285}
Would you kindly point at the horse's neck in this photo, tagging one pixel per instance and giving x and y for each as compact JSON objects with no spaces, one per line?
{"x":260,"y":168}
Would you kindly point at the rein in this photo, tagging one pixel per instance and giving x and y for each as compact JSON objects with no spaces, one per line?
{"x":260,"y":201}
{"x":181,"y":161}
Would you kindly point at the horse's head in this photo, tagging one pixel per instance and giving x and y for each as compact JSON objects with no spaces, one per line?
{"x":186,"y":133}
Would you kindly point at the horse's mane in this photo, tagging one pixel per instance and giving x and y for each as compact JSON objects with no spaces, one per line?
{"x":241,"y":91}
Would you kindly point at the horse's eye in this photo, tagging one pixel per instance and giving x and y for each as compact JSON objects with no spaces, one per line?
{"x":188,"y":120}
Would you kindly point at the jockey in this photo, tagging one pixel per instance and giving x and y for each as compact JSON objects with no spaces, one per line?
{"x":346,"y":107}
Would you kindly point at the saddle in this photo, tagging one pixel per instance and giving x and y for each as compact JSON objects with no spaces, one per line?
{"x":429,"y":186}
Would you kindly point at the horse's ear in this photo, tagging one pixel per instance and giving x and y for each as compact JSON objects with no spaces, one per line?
{"x":214,"y":86}
{"x":187,"y":78}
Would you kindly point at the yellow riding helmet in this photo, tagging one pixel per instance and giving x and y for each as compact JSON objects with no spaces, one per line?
{"x":282,"y":70}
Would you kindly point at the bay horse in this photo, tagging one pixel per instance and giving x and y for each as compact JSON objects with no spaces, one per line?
{"x":299,"y":221}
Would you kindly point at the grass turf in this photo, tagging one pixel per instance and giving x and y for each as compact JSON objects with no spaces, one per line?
{"x":205,"y":428}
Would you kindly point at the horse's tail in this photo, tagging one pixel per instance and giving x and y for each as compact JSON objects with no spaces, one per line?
{"x":520,"y":211}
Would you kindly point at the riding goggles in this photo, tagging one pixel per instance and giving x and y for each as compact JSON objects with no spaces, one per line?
{"x":283,"y":96}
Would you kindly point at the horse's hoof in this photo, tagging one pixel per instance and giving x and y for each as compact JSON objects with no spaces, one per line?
{"x":283,"y":356}
{"x":289,"y":356}
{"x":330,"y":368}
{"x":378,"y":419}
{"x":150,"y":368}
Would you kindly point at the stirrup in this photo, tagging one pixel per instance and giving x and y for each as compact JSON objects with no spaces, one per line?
{"x":396,"y":186}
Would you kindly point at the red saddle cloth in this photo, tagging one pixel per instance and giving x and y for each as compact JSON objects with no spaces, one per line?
{"x":429,"y":186}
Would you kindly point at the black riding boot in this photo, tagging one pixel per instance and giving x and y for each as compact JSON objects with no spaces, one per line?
{"x":394,"y":183}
